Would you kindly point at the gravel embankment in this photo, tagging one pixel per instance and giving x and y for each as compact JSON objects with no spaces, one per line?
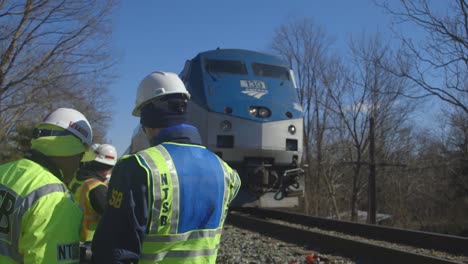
{"x":422,"y":251}
{"x":239,"y":246}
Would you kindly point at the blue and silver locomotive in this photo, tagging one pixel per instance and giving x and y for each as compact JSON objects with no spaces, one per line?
{"x":246,"y":106}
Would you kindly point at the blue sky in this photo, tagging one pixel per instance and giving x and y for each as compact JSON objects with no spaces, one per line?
{"x":153,"y":35}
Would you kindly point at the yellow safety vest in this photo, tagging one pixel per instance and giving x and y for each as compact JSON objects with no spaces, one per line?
{"x":40,"y":221}
{"x":80,"y":191}
{"x":163,"y":242}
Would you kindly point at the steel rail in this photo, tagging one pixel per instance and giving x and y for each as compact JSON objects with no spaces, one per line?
{"x":362,"y":252}
{"x":441,"y":242}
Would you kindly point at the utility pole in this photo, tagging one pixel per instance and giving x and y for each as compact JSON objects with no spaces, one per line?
{"x":372,"y":209}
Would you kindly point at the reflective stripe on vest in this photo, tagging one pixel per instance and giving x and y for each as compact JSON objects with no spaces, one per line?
{"x":9,"y":241}
{"x":90,"y":217}
{"x":154,"y":199}
{"x":180,"y":254}
{"x":175,"y":189}
{"x":235,"y":183}
{"x":165,"y":192}
{"x":164,"y":241}
{"x":186,"y":236}
{"x":227,"y":182}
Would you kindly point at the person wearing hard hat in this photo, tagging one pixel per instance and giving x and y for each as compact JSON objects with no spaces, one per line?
{"x":89,"y":188}
{"x":40,"y":221}
{"x":166,"y":203}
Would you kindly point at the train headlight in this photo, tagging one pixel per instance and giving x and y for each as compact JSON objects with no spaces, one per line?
{"x":253,"y":111}
{"x":225,"y":126}
{"x":263,"y":112}
{"x":292,"y":129}
{"x":258,"y":111}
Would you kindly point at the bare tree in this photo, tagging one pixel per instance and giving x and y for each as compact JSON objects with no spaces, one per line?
{"x":457,"y":151}
{"x":304,"y":45}
{"x":335,"y":79}
{"x":433,"y":202}
{"x":349,"y":104}
{"x":368,"y":91}
{"x":54,"y":54}
{"x":439,"y":61}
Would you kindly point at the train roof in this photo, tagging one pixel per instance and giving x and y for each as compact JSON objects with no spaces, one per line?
{"x":244,"y":54}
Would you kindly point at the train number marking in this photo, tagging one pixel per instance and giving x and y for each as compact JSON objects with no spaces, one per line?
{"x":254,"y":88}
{"x":253,"y":84}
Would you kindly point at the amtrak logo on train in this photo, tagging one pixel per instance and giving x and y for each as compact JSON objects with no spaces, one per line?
{"x":254,"y":88}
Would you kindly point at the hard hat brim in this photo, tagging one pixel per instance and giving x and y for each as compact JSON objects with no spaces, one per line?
{"x":137,"y":111}
{"x":104,"y":161}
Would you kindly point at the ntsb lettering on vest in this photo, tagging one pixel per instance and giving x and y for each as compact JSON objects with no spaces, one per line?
{"x":68,"y":252}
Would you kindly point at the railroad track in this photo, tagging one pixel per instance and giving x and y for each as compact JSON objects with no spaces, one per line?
{"x":346,"y":238}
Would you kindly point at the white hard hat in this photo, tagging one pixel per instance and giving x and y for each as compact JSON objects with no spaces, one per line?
{"x":95,"y":146}
{"x":72,"y":121}
{"x":106,"y":154}
{"x":158,"y":84}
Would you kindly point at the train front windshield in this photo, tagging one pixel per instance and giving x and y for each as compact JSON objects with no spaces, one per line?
{"x":239,"y":68}
{"x":272,"y":71}
{"x":225,"y":66}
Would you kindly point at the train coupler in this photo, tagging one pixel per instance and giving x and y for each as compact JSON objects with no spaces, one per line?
{"x":290,"y":178}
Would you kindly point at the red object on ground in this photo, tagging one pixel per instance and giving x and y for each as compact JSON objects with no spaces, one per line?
{"x":311,"y":258}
